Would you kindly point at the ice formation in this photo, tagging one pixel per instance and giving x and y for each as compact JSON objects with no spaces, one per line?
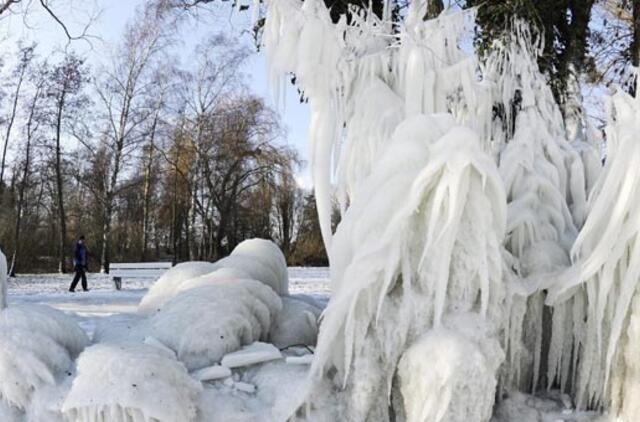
{"x":604,"y":280}
{"x":431,"y":247}
{"x":204,"y":323}
{"x":401,"y":119}
{"x":362,"y":79}
{"x":121,"y":382}
{"x":546,"y":184}
{"x":37,"y":347}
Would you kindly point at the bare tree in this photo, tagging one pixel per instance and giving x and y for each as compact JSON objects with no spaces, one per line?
{"x":34,"y":119}
{"x":65,"y":91}
{"x":163,"y":85}
{"x":25,"y":55}
{"x":120,"y":93}
{"x":48,"y":7}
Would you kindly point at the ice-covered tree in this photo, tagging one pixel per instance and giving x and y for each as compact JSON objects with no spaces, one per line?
{"x":390,"y":97}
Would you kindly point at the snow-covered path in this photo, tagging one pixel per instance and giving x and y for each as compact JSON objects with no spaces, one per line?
{"x":102,"y":300}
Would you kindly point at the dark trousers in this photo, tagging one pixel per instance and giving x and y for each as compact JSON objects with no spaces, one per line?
{"x":79,"y":270}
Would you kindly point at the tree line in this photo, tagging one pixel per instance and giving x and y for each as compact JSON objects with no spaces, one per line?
{"x":147,"y":159}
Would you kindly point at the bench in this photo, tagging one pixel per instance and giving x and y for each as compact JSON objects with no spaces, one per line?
{"x":144,"y":270}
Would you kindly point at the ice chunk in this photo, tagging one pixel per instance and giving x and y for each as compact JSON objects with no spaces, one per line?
{"x":299,"y":360}
{"x":252,"y":354}
{"x":212,"y":373}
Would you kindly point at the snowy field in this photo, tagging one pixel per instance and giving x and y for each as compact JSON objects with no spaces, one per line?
{"x":103,"y":301}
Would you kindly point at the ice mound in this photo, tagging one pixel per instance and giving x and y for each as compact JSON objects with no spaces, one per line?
{"x":46,"y":321}
{"x":296,"y":324}
{"x":262,"y":260}
{"x":450,"y":375}
{"x":256,"y":259}
{"x":203,"y":324}
{"x":166,"y":286}
{"x":121,"y":382}
{"x":28,"y":361}
{"x":269,"y":253}
{"x":37,"y":348}
{"x":219,"y":275}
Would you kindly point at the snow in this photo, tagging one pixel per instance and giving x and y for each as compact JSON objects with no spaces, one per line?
{"x":110,"y":317}
{"x":279,"y":385}
{"x":252,"y":354}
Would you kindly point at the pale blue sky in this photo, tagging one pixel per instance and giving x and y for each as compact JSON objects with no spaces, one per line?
{"x":108,"y":27}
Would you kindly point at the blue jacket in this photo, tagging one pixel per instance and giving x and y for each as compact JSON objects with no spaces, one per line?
{"x":80,"y":255}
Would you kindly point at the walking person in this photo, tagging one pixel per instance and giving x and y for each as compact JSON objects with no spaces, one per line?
{"x":79,"y":265}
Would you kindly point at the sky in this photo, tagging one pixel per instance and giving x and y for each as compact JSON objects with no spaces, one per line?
{"x":105,"y":32}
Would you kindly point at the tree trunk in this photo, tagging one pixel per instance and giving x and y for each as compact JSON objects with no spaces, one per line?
{"x":12,"y":118}
{"x":23,"y":186}
{"x":174,"y":215}
{"x":434,"y":8}
{"x":635,"y":44}
{"x":147,"y":189}
{"x":62,"y":233}
{"x":106,"y":236}
{"x":113,"y":184}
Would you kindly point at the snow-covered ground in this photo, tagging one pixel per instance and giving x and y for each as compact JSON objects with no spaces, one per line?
{"x":103,"y":300}
{"x":247,"y":396}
